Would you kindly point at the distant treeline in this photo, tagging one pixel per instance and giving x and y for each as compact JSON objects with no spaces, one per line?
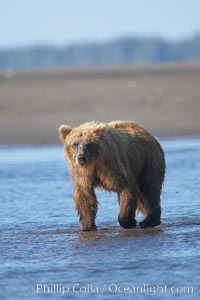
{"x":120,"y":51}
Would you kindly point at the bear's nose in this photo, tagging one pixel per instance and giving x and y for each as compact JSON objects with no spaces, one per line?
{"x":81,"y":159}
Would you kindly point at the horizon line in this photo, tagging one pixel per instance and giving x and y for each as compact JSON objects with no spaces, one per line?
{"x":102,"y":41}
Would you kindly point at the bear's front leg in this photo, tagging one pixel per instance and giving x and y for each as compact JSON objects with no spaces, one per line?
{"x":128,"y":205}
{"x":86,"y":205}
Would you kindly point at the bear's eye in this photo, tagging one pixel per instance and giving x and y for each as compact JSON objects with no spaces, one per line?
{"x":89,"y":146}
{"x":74,"y":145}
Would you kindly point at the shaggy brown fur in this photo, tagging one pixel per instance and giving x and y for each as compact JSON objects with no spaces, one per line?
{"x":119,"y":156}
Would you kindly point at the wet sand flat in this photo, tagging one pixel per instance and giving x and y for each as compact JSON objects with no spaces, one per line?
{"x":165,"y":99}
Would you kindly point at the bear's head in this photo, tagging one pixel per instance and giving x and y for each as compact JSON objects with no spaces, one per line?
{"x":81,"y":144}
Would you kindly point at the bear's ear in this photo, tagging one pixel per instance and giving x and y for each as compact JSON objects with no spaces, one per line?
{"x":100,"y":130}
{"x":64,"y":130}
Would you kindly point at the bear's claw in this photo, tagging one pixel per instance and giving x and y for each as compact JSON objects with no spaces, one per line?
{"x":127,"y":223}
{"x":92,"y":228}
{"x":150,"y":221}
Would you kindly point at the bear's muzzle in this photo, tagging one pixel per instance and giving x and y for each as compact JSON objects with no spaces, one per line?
{"x":81,"y":159}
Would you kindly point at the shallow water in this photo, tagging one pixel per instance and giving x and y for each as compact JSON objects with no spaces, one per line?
{"x":44,"y":254}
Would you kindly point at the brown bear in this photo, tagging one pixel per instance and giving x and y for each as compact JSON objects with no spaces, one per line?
{"x":119,"y":156}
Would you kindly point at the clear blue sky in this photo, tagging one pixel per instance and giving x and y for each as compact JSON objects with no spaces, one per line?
{"x":61,"y":22}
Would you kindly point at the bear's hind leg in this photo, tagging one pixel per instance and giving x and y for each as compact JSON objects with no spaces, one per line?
{"x":151,"y":210}
{"x":128,"y":205}
{"x":152,"y":219}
